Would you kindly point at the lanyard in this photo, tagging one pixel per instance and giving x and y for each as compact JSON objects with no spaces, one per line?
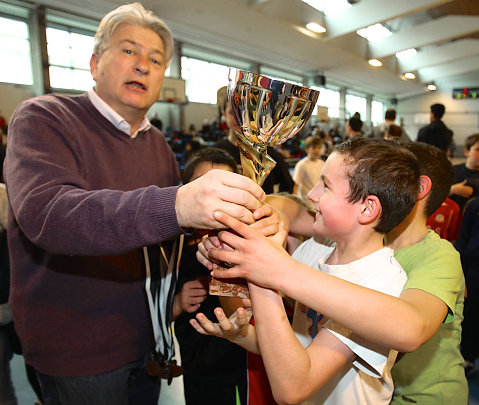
{"x":160,"y":301}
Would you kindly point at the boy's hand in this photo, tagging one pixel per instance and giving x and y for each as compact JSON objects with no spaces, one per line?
{"x":269,"y":220}
{"x":254,"y":257}
{"x":461,"y":189}
{"x":192,"y":294}
{"x":230,"y":328}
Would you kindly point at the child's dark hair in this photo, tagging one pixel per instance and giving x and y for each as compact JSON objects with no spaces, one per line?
{"x":211,"y":155}
{"x":312,"y":140}
{"x":394,"y":130}
{"x":433,"y":163}
{"x":471,"y":140}
{"x":386,"y":170}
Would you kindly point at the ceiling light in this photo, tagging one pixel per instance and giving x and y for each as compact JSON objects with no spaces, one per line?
{"x":409,"y":75}
{"x":374,"y":32}
{"x":431,"y":87}
{"x":315,"y":27}
{"x":407,"y":53}
{"x":375,"y":62}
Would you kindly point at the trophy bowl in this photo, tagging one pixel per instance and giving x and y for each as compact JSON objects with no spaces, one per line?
{"x":268,"y":112}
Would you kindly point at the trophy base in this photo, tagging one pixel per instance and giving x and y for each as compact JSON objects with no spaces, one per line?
{"x":229,"y":287}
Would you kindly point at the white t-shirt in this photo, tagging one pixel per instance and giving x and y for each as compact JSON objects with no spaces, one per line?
{"x":368,"y":379}
{"x":306,"y":175}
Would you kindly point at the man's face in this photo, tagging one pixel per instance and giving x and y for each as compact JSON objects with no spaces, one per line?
{"x":129,"y":74}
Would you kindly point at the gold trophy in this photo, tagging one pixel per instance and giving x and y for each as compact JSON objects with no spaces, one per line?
{"x":268,"y":112}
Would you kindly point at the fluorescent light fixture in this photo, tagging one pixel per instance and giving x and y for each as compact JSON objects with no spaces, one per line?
{"x":329,"y":7}
{"x":409,"y":75}
{"x":315,"y":27}
{"x":407,"y":53}
{"x":374,"y":32}
{"x":375,"y":62}
{"x":431,"y":87}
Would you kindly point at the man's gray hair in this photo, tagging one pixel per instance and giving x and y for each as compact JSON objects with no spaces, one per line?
{"x":134,"y":14}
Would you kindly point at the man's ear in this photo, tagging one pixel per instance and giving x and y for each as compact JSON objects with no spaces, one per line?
{"x":370,"y":210}
{"x":425,"y":185}
{"x":94,"y":65}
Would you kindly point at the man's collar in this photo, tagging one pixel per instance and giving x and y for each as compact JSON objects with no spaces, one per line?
{"x":116,"y":119}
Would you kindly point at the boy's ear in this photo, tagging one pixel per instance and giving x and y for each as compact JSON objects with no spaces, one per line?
{"x":370,"y":210}
{"x":425,"y":185}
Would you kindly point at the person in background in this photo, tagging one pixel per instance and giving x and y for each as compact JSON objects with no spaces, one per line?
{"x":354,"y":127}
{"x":307,"y":171}
{"x":436,"y":133}
{"x":393,"y":133}
{"x":466,"y":175}
{"x":468,"y":246}
{"x":426,"y":325}
{"x":279,"y":180}
{"x":94,"y":198}
{"x":389,"y":119}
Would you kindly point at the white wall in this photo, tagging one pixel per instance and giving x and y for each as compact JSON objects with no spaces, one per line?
{"x":10,"y":96}
{"x":462,"y":116}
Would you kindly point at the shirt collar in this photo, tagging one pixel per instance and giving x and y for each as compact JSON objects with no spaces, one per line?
{"x":116,"y":119}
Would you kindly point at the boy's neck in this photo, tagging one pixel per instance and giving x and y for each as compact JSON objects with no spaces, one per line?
{"x":409,"y":232}
{"x":352,"y":250}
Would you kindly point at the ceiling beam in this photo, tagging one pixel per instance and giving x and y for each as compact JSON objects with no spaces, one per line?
{"x":438,"y":30}
{"x":451,"y":69}
{"x":369,"y":12}
{"x":437,"y":55}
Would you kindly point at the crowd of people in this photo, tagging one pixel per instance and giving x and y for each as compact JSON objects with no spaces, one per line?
{"x":115,"y":228}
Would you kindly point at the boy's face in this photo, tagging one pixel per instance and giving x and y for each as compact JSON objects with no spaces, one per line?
{"x":472,"y":156}
{"x":314,"y":152}
{"x":336,"y":217}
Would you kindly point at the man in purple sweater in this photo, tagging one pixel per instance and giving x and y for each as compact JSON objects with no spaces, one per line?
{"x":90,"y":183}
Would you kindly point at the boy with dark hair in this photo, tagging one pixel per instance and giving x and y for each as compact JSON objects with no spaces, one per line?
{"x":466,"y":178}
{"x":367,"y":187}
{"x":308,"y":170}
{"x":425,"y":320}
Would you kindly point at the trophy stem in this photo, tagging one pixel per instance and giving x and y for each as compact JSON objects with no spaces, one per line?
{"x":255,"y":161}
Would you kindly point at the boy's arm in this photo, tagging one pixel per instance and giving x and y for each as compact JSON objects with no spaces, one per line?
{"x":295,"y":373}
{"x":461,"y":189}
{"x":402,"y":324}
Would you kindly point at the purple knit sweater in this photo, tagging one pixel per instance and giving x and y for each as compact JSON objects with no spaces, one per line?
{"x":84,"y":198}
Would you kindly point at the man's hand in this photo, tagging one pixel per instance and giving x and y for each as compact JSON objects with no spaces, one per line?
{"x":461,"y":189}
{"x":220,"y":190}
{"x":189,"y":299}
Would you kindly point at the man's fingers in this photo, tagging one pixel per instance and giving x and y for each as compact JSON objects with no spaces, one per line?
{"x":237,"y":181}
